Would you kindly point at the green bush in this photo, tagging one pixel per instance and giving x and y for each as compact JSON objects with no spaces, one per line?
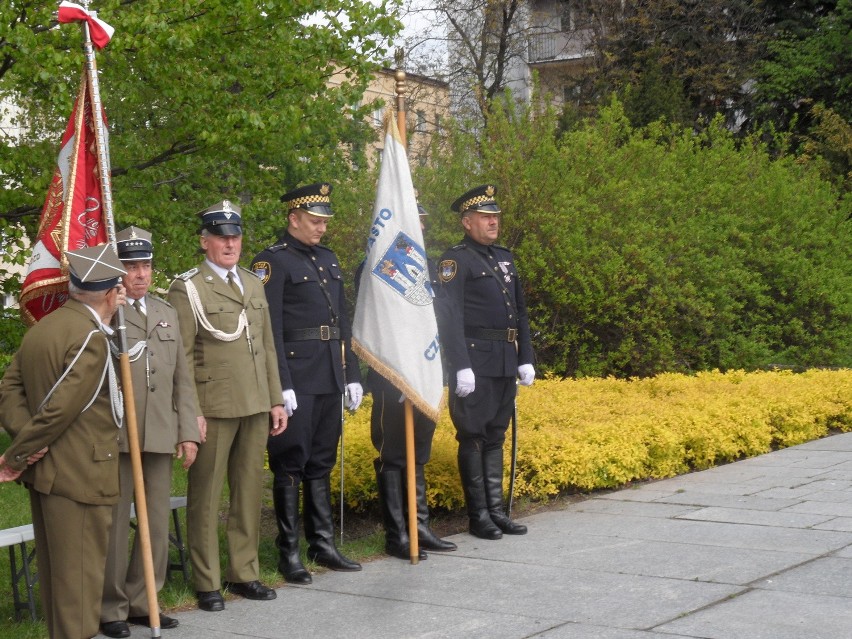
{"x":659,"y":249}
{"x":597,"y":433}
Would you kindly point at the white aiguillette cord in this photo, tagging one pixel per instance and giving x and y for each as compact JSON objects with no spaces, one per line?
{"x":116,"y":397}
{"x":201,"y":318}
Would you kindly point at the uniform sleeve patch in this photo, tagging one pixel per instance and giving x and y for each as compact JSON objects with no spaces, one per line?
{"x":447,"y":270}
{"x":263,"y":270}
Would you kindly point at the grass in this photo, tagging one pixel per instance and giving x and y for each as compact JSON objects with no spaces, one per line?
{"x":366,"y":543}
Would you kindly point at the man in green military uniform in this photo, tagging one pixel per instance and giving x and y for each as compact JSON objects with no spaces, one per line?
{"x":227,"y":335}
{"x":165,"y":411}
{"x":60,"y":401}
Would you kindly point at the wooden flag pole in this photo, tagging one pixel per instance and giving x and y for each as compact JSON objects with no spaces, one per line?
{"x":126,"y":382}
{"x":411,"y":482}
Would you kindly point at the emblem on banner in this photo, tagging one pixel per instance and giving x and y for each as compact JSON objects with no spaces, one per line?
{"x":403,"y":267}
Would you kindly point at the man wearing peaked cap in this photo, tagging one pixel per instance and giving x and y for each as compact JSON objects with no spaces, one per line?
{"x":226,"y":331}
{"x":63,"y":410}
{"x":304,"y":286}
{"x":485,"y":336}
{"x":164,"y":396}
{"x":223,"y":218}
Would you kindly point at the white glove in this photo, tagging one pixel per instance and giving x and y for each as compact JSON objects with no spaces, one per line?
{"x":290,"y":404}
{"x":355,"y":394}
{"x":526,"y":373}
{"x":465,"y":382}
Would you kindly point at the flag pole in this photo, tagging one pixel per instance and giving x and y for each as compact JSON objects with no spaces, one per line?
{"x":124,"y":358}
{"x":411,"y":482}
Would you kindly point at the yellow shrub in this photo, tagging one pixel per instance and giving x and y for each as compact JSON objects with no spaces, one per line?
{"x":602,"y":433}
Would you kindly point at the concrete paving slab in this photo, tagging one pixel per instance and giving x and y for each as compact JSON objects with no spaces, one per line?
{"x":769,"y":615}
{"x":823,"y":576}
{"x":727,"y":553}
{"x":640,"y":509}
{"x":785,"y":518}
{"x":746,"y":502}
{"x":841,"y":509}
{"x":842,"y":524}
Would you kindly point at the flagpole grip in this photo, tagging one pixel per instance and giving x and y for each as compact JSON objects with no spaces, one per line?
{"x":411,"y":482}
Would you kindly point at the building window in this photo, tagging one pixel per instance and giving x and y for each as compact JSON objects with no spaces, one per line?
{"x":379,"y":116}
{"x":420,"y":125}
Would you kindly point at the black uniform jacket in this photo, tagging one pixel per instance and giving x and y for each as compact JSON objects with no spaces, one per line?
{"x":476,"y":299}
{"x":291,"y":273}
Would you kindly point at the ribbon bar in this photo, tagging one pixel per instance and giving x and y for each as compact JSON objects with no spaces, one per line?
{"x":99,"y":31}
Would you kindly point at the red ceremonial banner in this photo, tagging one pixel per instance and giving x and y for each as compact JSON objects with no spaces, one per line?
{"x":72,"y":217}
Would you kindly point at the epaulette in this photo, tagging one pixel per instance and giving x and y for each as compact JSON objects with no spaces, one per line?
{"x":160,"y":299}
{"x":500,"y":246}
{"x":249,"y":271}
{"x":277,"y":247}
{"x":186,"y":276}
{"x":322,"y":246}
{"x":458,"y":247}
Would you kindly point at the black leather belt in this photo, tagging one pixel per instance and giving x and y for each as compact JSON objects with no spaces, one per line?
{"x":496,"y":334}
{"x":323,"y":333}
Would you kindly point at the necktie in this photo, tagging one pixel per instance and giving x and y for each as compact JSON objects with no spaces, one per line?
{"x":138,"y":306}
{"x":232,"y":282}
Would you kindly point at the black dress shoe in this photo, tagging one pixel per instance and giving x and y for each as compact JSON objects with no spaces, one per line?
{"x":117,"y":629}
{"x":165,"y":622}
{"x":210,"y":601}
{"x":251,"y":590}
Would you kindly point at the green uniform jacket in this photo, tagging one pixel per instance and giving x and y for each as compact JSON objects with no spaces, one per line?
{"x":82,"y":463}
{"x":162,"y":387}
{"x":237,"y":378}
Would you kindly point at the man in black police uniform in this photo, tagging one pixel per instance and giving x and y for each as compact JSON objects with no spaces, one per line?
{"x":387,"y":431}
{"x":485,"y":336}
{"x":304,"y":286}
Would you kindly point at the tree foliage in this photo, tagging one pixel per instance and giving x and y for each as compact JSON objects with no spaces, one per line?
{"x":655,"y":249}
{"x":206,"y":99}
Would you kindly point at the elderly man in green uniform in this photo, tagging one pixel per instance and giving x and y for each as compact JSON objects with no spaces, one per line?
{"x":227,"y":336}
{"x":165,"y":411}
{"x":61,"y":403}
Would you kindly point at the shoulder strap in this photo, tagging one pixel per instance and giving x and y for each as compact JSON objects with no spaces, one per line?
{"x":499,"y":281}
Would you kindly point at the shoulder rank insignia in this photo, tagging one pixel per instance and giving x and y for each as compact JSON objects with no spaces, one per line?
{"x":447,"y":270}
{"x":263,"y":270}
{"x":277,"y":247}
{"x":188,"y":274}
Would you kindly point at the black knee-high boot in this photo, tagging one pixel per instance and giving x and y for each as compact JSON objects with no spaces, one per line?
{"x":319,"y":527}
{"x":426,"y":539}
{"x":493,"y":466}
{"x":473,"y":483}
{"x":397,"y":542}
{"x":286,"y":500}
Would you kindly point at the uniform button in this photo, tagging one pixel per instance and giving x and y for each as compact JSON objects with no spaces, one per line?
{"x":320,"y":268}
{"x":109,"y":454}
{"x":305,"y":278}
{"x":153,"y":388}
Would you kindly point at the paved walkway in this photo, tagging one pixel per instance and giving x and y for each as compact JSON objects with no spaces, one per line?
{"x":759,"y":549}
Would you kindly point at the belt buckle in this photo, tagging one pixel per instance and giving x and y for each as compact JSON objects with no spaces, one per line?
{"x":511,"y":334}
{"x":325,"y":333}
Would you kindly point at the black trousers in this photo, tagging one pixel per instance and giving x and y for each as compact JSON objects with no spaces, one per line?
{"x":308,"y":448}
{"x":387,"y":426}
{"x":482,"y":418}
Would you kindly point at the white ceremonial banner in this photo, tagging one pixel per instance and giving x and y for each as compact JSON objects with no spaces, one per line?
{"x":394,"y":330}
